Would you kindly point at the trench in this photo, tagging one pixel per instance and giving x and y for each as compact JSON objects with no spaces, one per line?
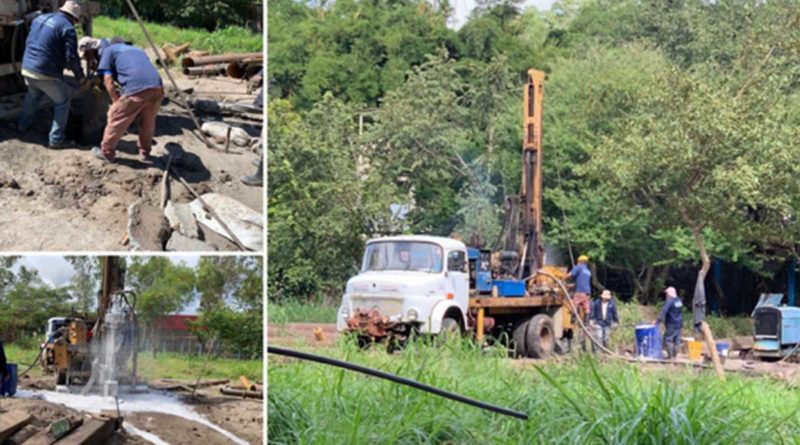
{"x":145,"y":402}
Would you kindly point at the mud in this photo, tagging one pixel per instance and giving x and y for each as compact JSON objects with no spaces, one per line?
{"x":66,"y":200}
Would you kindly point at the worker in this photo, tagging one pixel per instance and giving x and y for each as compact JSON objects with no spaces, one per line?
{"x":3,"y":362}
{"x":89,"y":49}
{"x":582,"y":276}
{"x":603,"y":318}
{"x":50,"y":48}
{"x":672,"y":317}
{"x":142,"y":92}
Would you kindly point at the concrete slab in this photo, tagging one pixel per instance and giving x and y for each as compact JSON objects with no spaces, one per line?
{"x":148,"y":229}
{"x":180,"y":243}
{"x":181,"y":219}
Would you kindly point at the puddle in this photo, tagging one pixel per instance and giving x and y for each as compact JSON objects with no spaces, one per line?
{"x":153,"y":402}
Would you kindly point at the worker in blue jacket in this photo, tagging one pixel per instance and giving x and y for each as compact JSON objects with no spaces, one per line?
{"x":602,"y":318}
{"x":51,"y":47}
{"x":582,"y":276}
{"x":672,"y":317}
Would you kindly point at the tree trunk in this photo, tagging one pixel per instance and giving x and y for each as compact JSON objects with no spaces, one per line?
{"x":699,"y":299}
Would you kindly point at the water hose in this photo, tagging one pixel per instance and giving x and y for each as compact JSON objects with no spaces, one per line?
{"x":397,"y":379}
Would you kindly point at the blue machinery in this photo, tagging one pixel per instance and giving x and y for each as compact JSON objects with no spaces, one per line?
{"x":777,"y":327}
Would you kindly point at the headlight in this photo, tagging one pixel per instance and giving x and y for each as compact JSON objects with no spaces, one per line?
{"x":412,"y":315}
{"x":345,"y":312}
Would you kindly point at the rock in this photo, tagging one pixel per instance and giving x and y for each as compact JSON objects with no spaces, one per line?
{"x":148,"y":230}
{"x":219,"y":131}
{"x":181,"y":219}
{"x":8,"y":181}
{"x":29,"y":193}
{"x":180,"y":243}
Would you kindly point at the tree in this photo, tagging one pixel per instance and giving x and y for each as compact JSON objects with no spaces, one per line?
{"x":85,"y":281}
{"x":162,"y":288}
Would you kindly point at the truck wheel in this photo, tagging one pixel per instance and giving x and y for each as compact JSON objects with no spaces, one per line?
{"x":541,"y":338}
{"x":450,"y":329}
{"x":519,"y":336}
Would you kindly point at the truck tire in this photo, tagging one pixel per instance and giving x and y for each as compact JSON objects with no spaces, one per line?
{"x":520,"y":338}
{"x":450,"y":328}
{"x":540,"y":338}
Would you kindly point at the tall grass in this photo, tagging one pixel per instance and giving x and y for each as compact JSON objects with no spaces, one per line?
{"x":163,"y":366}
{"x":293,"y":311}
{"x":230,"y":39}
{"x":578,"y":401}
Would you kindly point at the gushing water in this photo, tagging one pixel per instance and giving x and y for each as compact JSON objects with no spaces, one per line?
{"x":110,"y":357}
{"x":131,"y":403}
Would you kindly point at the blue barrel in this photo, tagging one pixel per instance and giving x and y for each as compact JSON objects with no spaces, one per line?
{"x":648,"y":341}
{"x":8,"y":385}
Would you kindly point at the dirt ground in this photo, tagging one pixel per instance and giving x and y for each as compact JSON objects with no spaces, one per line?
{"x":242,"y":417}
{"x":66,"y":200}
{"x":302,"y":335}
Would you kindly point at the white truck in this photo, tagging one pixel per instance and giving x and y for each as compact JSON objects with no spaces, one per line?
{"x":408,"y":282}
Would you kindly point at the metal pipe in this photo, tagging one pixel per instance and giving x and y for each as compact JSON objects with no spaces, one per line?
{"x":220,"y":58}
{"x":396,"y":379}
{"x":207,"y":70}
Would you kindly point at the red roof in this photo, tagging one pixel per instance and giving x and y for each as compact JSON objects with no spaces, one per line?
{"x":176,"y":323}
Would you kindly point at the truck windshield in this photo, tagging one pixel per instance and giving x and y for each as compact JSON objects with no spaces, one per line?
{"x":403,"y":255}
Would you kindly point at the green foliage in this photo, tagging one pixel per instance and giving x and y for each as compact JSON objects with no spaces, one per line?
{"x":225,"y":40}
{"x":236,"y":331}
{"x":294,"y":311}
{"x":26,"y":303}
{"x":584,"y":401}
{"x":162,"y":287}
{"x":85,"y":281}
{"x":207,"y":14}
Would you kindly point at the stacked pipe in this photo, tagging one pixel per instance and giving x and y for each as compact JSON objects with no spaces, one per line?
{"x":237,"y":66}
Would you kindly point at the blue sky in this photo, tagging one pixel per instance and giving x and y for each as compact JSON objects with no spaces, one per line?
{"x":56,"y":271}
{"x":464,"y":7}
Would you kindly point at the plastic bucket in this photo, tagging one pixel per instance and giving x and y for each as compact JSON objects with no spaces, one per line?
{"x":8,"y":383}
{"x":722,"y":349}
{"x":648,"y":341}
{"x":695,"y":350}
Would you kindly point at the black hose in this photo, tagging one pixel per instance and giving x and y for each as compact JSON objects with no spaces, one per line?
{"x":396,"y":379}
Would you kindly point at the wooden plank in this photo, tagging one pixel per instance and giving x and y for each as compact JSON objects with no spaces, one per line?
{"x":499,"y":302}
{"x":11,"y":422}
{"x":92,"y":432}
{"x":711,"y":346}
{"x":21,"y":436}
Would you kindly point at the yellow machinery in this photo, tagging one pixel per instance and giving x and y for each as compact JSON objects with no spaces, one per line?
{"x":73,"y":344}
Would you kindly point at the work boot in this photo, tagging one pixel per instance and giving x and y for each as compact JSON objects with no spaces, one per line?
{"x":252,"y":180}
{"x":98,"y":153}
{"x":62,"y":144}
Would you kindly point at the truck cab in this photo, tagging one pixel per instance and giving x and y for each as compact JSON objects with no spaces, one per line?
{"x":407,"y":283}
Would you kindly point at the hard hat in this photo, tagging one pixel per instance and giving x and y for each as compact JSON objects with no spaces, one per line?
{"x":87,"y":43}
{"x":72,"y":8}
{"x":583,"y":259}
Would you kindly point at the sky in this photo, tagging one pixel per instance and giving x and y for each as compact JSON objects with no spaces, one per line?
{"x":464,"y":7}
{"x":56,"y":271}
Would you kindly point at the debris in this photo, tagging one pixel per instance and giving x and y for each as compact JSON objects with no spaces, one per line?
{"x":215,"y":107}
{"x":318,"y":334}
{"x":181,"y":219}
{"x":204,"y":206}
{"x":92,"y":432}
{"x":180,"y":243}
{"x":11,"y":422}
{"x":246,"y":384}
{"x":8,"y":181}
{"x":227,"y":390}
{"x":207,"y":70}
{"x":222,"y":58}
{"x":244,"y":222}
{"x":165,"y":192}
{"x":173,"y":53}
{"x":147,"y":227}
{"x":218,"y":131}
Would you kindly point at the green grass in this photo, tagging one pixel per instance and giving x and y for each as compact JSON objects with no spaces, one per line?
{"x":576,"y":401}
{"x":230,"y":39}
{"x":293,"y":311}
{"x":164,"y":366}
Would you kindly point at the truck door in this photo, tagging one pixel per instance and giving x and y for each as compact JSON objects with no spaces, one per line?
{"x":458,"y":277}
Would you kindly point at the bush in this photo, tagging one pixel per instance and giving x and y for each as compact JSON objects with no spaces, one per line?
{"x":206,"y":14}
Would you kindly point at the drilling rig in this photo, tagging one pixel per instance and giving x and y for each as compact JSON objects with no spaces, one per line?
{"x":80,"y":350}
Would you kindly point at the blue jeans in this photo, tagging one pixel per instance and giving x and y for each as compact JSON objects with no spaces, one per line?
{"x":60,"y":93}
